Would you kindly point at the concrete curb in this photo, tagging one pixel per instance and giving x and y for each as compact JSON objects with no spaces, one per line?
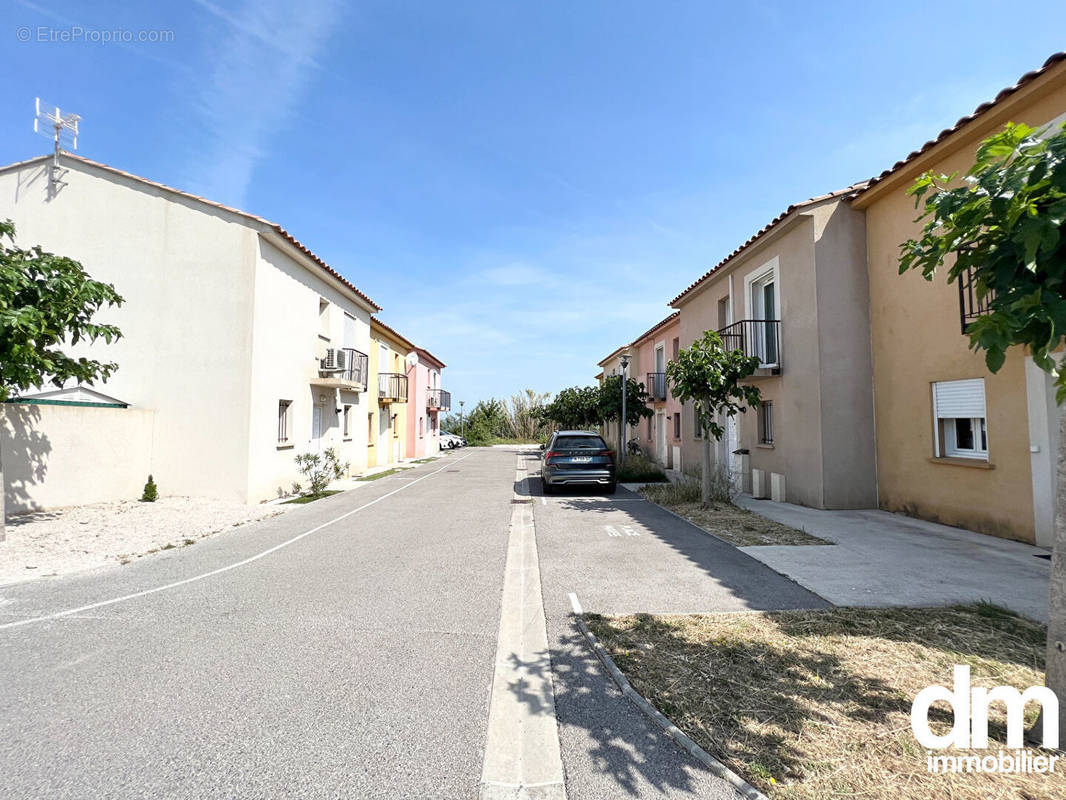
{"x":671,"y":730}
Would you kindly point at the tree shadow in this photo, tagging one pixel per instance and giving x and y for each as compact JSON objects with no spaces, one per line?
{"x":757,"y":732}
{"x":24,"y":459}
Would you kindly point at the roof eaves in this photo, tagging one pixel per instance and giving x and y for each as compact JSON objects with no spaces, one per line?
{"x":982,"y":109}
{"x":211,"y":203}
{"x":847,"y":191}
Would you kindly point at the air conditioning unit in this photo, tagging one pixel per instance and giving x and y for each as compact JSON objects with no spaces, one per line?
{"x":334,"y":360}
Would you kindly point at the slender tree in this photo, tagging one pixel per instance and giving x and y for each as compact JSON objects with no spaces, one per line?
{"x":46,"y":303}
{"x":1001,"y":223}
{"x":709,"y":375}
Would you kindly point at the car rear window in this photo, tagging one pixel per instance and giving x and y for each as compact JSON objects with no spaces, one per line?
{"x":579,"y":443}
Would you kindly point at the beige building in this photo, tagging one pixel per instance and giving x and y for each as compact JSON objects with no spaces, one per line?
{"x":955,"y":443}
{"x":796,"y":296}
{"x":240,"y":348}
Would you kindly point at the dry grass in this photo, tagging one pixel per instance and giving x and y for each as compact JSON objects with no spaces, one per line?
{"x":736,"y":525}
{"x":816,"y":704}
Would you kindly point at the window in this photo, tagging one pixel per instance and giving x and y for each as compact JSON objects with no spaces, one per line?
{"x":676,"y":348}
{"x":766,"y":422}
{"x":323,"y":318}
{"x":677,"y":423}
{"x":961,"y":424}
{"x":370,"y":429}
{"x":421,"y":423}
{"x":723,"y":312}
{"x":284,"y":420}
{"x":347,"y":422}
{"x":697,"y":429}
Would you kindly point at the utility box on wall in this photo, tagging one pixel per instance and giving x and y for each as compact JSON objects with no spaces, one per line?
{"x":777,"y":487}
{"x":760,"y":489}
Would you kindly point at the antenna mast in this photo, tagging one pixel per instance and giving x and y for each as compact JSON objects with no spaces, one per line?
{"x":50,"y":122}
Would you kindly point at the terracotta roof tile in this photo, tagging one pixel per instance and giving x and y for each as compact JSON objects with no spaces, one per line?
{"x":1027,"y":78}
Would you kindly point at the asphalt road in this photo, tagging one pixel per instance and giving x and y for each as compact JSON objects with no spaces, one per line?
{"x":355,"y":661}
{"x":620,"y":554}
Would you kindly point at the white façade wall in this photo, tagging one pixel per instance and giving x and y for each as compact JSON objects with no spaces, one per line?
{"x":184,"y":270}
{"x":59,"y":455}
{"x":288,"y":341}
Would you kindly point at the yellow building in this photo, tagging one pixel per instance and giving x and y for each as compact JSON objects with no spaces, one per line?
{"x":955,"y":443}
{"x":387,"y":414}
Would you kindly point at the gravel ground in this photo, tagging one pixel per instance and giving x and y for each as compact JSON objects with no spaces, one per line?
{"x":64,"y":540}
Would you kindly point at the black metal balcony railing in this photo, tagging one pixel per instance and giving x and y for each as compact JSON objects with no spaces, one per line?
{"x":755,"y":337}
{"x":356,"y":366}
{"x":392,"y":386}
{"x":970,"y":306}
{"x":439,"y":400}
{"x":656,"y":386}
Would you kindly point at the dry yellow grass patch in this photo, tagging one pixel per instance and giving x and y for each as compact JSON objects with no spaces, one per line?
{"x":736,"y":525}
{"x":816,"y":704}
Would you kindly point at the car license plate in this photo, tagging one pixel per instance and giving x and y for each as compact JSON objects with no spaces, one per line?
{"x":581,"y":459}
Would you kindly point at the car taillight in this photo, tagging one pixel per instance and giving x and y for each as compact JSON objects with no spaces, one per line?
{"x":606,"y":453}
{"x":549,"y":454}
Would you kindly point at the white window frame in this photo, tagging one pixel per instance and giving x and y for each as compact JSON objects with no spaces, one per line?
{"x":945,"y":430}
{"x":980,"y":430}
{"x":284,"y":422}
{"x":756,"y":278}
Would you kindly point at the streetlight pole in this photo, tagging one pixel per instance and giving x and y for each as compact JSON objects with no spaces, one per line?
{"x":462,"y":427}
{"x":622,"y":424}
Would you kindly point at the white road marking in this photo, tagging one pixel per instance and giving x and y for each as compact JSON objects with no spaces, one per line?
{"x":628,"y":530}
{"x":72,"y":611}
{"x":522,"y":758}
{"x":544,"y":500}
{"x":611,"y":530}
{"x":575,"y":604}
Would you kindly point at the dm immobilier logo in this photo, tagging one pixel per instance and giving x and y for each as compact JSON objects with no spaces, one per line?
{"x":970,"y":728}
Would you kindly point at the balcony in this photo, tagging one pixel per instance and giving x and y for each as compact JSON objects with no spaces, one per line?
{"x":343,"y":368}
{"x":656,"y":386}
{"x":970,"y":305}
{"x":392,"y":387}
{"x":756,"y":337}
{"x":438,"y":400}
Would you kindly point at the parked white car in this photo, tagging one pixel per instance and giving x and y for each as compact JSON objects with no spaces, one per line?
{"x":449,"y":441}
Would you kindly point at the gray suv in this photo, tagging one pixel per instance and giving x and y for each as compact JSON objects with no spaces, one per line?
{"x":575,"y":458}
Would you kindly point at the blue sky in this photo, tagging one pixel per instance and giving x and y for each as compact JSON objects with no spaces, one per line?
{"x":521,"y":186}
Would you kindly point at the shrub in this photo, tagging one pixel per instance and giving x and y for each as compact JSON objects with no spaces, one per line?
{"x":320,"y":469}
{"x":151,"y":491}
{"x":723,"y":489}
{"x":641,"y":469}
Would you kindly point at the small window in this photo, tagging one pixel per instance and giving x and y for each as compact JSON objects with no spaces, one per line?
{"x":323,"y":317}
{"x":370,"y":429}
{"x":347,"y":422}
{"x":284,"y":420}
{"x":961,"y":423}
{"x":677,"y":348}
{"x":697,"y":429}
{"x":421,"y":423}
{"x":766,"y":422}
{"x":677,"y":424}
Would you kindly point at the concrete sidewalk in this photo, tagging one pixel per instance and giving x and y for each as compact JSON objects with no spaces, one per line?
{"x":883,"y":559}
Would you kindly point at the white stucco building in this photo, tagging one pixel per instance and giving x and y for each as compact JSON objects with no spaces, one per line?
{"x":240,"y":347}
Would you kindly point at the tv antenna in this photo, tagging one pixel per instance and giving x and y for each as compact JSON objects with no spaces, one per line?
{"x":62,"y":129}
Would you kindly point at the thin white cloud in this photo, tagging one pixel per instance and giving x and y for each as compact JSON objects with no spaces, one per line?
{"x":264,"y":54}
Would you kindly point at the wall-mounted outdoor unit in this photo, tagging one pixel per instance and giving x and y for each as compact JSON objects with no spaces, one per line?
{"x":334,"y":360}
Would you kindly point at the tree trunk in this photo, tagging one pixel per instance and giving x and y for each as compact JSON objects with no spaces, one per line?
{"x":705,"y":469}
{"x":1056,"y":604}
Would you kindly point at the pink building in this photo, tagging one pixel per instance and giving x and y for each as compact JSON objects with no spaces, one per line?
{"x":659,"y":435}
{"x":425,"y":402}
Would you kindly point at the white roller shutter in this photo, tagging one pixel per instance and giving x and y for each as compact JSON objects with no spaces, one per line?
{"x":959,"y":398}
{"x":349,"y":330}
